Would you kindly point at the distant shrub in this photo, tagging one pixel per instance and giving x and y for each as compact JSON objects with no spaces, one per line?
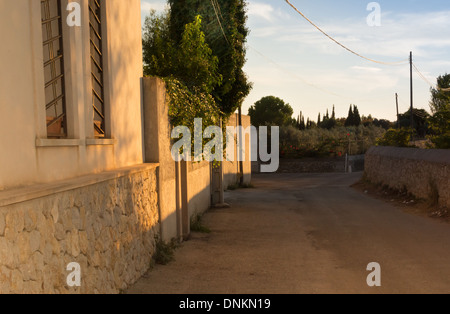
{"x":440,"y":128}
{"x":336,"y":142}
{"x":396,"y":138}
{"x":441,"y":141}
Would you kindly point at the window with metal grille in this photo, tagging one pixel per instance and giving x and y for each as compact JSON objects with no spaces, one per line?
{"x":98,"y":100}
{"x":54,"y":68}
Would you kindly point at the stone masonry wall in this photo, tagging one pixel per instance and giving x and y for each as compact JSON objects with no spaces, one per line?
{"x":319,"y":165}
{"x":107,"y":227}
{"x":423,"y":173}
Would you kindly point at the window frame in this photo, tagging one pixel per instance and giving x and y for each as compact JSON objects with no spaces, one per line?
{"x":59,"y":119}
{"x":90,"y":130}
{"x":78,"y":83}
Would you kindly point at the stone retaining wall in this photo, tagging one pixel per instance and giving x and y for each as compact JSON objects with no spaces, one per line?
{"x":311,"y":165}
{"x":423,"y":173}
{"x":105,"y":223}
{"x":317,"y":165}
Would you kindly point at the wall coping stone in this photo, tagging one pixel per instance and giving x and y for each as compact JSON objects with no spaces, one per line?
{"x":23,"y":194}
{"x":441,"y":156}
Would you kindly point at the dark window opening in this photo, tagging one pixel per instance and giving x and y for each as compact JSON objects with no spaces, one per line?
{"x":54,"y":68}
{"x":97,"y":70}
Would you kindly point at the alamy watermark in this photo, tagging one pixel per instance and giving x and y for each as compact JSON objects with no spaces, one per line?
{"x":74,"y":16}
{"x":214,"y":149}
{"x":374,"y":18}
{"x":74,"y":277}
{"x":374,"y":278}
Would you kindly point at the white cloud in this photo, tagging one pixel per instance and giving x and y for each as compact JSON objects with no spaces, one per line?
{"x":398,"y":35}
{"x":366,"y":69}
{"x":266,"y":12}
{"x":261,"y":10}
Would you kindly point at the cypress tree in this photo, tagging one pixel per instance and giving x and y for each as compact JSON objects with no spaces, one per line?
{"x":356,"y":117}
{"x":350,"y":119}
{"x":228,"y":46}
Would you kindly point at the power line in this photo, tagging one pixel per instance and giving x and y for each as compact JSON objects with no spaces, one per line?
{"x":303,"y":80}
{"x":416,"y":111}
{"x":218,"y":20}
{"x":423,"y":77}
{"x":295,"y":75}
{"x":346,"y":48}
{"x":428,"y":82}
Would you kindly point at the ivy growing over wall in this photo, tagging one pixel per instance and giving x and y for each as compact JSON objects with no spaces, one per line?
{"x":186,"y":105}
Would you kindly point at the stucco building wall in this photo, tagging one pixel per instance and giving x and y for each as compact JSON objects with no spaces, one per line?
{"x":27,"y":155}
{"x":231,"y":169}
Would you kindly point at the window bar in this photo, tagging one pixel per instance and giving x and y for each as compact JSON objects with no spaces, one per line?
{"x":56,"y":117}
{"x":95,"y":25}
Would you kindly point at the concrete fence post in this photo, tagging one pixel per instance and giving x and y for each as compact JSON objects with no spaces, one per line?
{"x":157,"y":141}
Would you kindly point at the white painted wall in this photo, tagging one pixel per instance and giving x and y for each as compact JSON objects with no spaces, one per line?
{"x":231,"y":169}
{"x":26,"y":156}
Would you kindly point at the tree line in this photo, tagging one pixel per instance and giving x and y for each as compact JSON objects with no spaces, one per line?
{"x":435,"y":127}
{"x":271,"y":110}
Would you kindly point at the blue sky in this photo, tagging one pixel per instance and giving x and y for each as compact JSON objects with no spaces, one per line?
{"x":290,"y":59}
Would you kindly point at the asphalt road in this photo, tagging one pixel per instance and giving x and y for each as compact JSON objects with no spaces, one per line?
{"x":307,"y":233}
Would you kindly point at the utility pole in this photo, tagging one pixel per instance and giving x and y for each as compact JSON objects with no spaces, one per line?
{"x":412,"y":94}
{"x":241,"y":148}
{"x":398,"y":114}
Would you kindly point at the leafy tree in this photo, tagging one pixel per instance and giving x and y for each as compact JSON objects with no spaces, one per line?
{"x":440,"y":100}
{"x":396,"y":138}
{"x":329,"y":123}
{"x":420,"y":118}
{"x":271,"y":111}
{"x":318,"y":142}
{"x":157,"y":45}
{"x":366,"y":121}
{"x":440,"y":107}
{"x":385,"y":124}
{"x":188,"y":67}
{"x":310,"y":124}
{"x":196,"y":65}
{"x":340,"y":122}
{"x":192,"y":63}
{"x":241,"y":87}
{"x":440,"y":127}
{"x":226,"y":33}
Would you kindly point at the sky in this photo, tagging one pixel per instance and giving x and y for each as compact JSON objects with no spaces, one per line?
{"x":288,"y":58}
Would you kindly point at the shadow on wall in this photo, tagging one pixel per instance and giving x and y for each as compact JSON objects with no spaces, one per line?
{"x":185,"y":189}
